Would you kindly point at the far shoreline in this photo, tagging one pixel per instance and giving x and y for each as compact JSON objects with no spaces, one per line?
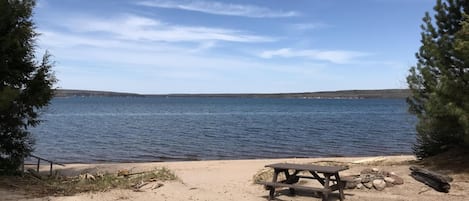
{"x":340,"y":94}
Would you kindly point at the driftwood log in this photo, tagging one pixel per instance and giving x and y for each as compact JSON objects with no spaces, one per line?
{"x":433,"y":179}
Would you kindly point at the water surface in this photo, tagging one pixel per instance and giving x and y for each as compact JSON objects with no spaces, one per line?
{"x":123,"y":129}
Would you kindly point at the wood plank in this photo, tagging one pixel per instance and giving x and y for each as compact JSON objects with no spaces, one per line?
{"x":306,"y":167}
{"x":276,"y":184}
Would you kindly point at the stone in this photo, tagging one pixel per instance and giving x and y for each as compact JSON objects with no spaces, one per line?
{"x":397,"y":180}
{"x":366,"y":178}
{"x":375,"y":169}
{"x":359,"y":186}
{"x":389,"y":180}
{"x":358,"y":180}
{"x":350,"y":182}
{"x":383,"y":173}
{"x":368,"y":185}
{"x":379,"y":184}
{"x":366,"y":171}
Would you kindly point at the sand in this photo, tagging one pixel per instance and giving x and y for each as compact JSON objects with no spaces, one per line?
{"x":233,"y":180}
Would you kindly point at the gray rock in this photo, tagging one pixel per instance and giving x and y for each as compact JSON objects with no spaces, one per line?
{"x":350,"y":182}
{"x":397,"y":180}
{"x":368,"y":185}
{"x":366,"y":171}
{"x":379,"y":184}
{"x":375,"y":169}
{"x":366,"y":178}
{"x":360,"y":186}
{"x":389,"y":181}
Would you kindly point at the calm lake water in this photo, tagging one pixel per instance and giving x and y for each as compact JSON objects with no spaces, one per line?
{"x":123,"y":129}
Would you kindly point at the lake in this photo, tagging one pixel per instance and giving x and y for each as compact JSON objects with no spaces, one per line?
{"x":131,"y":129}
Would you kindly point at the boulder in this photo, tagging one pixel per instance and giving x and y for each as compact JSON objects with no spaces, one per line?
{"x":379,"y":184}
{"x":375,"y":169}
{"x":389,"y":181}
{"x":397,"y":180}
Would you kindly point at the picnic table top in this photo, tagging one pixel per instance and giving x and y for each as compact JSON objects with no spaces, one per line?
{"x":307,"y":167}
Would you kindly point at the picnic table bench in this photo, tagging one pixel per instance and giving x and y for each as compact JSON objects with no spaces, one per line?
{"x":314,"y":170}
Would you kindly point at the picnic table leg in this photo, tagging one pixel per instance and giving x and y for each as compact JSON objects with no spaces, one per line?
{"x":289,"y":180}
{"x":327,"y":179}
{"x":341,"y":187}
{"x":272,"y":189}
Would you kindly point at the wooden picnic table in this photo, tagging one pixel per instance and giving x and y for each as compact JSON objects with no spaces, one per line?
{"x":315,"y":171}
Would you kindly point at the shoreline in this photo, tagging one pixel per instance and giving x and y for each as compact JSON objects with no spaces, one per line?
{"x":234,"y":180}
{"x":96,"y":162}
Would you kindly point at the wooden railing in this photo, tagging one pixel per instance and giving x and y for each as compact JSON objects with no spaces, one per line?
{"x":39,"y":163}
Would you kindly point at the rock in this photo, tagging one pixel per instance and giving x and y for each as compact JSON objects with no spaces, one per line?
{"x":367,"y":178}
{"x":392,"y":173}
{"x":350,"y":184}
{"x":359,"y":186}
{"x":389,"y":180}
{"x":368,"y":185}
{"x":351,"y":181}
{"x":397,"y":180}
{"x":375,"y":169}
{"x":383,"y":173}
{"x":358,"y":180}
{"x":366,"y":171}
{"x":379,"y":184}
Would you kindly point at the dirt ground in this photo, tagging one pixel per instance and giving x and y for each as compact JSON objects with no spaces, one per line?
{"x":233,"y":180}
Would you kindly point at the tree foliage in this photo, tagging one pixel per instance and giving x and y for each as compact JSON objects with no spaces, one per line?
{"x":440,"y":80}
{"x":26,"y":85}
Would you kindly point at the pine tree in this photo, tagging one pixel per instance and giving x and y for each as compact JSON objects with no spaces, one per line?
{"x":440,"y":80}
{"x":25,"y":83}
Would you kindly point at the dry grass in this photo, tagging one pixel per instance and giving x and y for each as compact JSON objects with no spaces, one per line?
{"x":58,"y":185}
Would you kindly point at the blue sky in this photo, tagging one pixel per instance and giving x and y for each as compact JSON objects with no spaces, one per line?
{"x":216,"y":46}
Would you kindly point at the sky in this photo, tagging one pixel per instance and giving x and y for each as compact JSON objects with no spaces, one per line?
{"x":219,"y":46}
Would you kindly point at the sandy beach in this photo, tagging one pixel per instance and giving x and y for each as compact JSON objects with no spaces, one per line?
{"x":233,"y":180}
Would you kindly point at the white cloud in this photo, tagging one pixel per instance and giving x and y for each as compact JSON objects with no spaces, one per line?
{"x":333,"y":56}
{"x":137,"y":28}
{"x":218,"y":8}
{"x":308,"y":26}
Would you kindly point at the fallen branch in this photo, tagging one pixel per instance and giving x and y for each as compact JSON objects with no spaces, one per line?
{"x":435,"y":180}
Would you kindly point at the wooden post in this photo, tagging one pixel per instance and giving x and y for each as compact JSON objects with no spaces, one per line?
{"x":50,"y":169}
{"x":38,"y":163}
{"x":341,"y":186}
{"x":274,"y":179}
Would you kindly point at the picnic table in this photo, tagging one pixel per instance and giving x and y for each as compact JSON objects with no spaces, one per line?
{"x":330,"y":181}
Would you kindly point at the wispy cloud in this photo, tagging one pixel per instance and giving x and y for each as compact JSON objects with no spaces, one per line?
{"x":131,"y":27}
{"x":219,"y":8}
{"x":308,"y":26}
{"x":333,"y":56}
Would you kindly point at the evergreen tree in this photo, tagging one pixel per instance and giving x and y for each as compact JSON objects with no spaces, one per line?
{"x":25,"y":84}
{"x":440,"y":80}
